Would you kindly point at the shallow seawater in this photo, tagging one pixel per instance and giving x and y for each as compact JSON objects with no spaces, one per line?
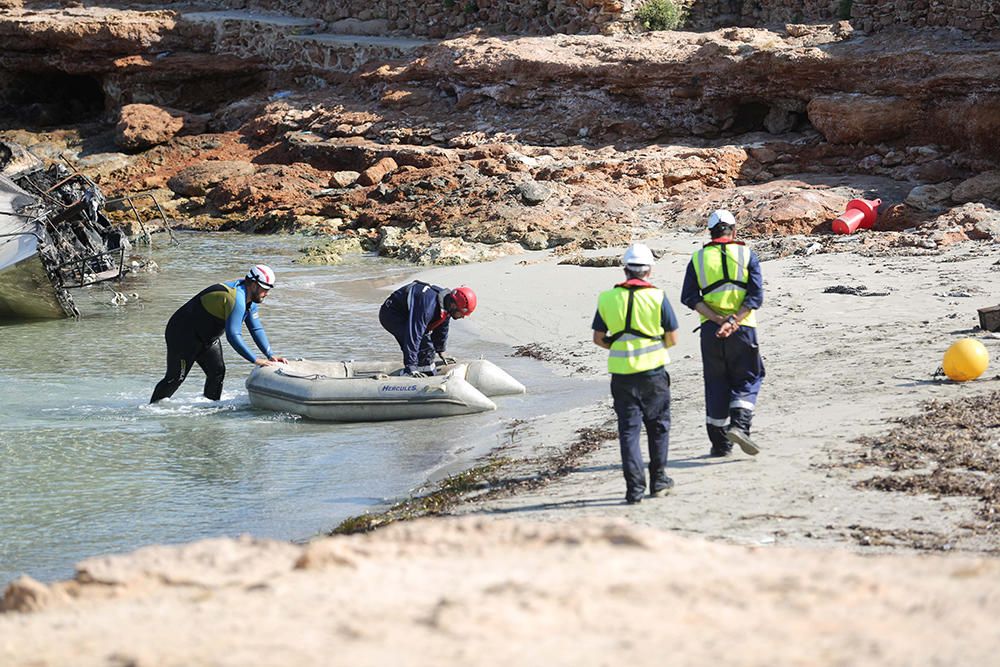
{"x":87,"y":467}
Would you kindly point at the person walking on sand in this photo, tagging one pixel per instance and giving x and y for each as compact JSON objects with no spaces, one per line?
{"x":635,"y":322}
{"x":193,"y":332}
{"x":723,"y":283}
{"x":417,"y":315}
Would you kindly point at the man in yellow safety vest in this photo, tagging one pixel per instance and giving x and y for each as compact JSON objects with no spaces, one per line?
{"x":635,"y":323}
{"x":724,"y":285}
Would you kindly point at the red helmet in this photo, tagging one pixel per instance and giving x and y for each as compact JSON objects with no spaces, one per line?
{"x":465,"y":300}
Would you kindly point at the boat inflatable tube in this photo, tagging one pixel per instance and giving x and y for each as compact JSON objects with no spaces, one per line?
{"x":374,"y":391}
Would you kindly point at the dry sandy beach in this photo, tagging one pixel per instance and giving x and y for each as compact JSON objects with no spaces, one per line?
{"x":567,"y":572}
{"x":838,"y":366}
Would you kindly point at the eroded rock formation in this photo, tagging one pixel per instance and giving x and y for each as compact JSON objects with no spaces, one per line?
{"x":568,"y":140}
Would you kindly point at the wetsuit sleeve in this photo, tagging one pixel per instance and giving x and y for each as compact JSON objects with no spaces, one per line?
{"x":234,"y":325}
{"x":667,"y":317}
{"x":690,"y":292}
{"x":598,"y":324}
{"x":439,"y":337}
{"x":422,"y":306}
{"x":755,"y":284}
{"x":256,"y":329}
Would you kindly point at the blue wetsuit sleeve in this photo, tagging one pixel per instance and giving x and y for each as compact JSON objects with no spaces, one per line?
{"x":690,"y":292}
{"x":234,"y":325}
{"x":598,"y":323}
{"x":256,"y":328}
{"x":667,"y":317}
{"x":439,"y":337}
{"x":423,"y":306}
{"x":755,"y":284}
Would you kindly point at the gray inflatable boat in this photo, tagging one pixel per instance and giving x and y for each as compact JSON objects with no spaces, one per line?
{"x":351,"y":391}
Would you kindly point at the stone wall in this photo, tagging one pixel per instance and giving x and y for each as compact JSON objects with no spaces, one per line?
{"x":707,"y":14}
{"x":980,"y":18}
{"x":445,"y":18}
{"x":440,"y":18}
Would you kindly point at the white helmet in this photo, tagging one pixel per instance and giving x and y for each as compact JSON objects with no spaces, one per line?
{"x":721,"y":217}
{"x":638,"y":254}
{"x":262,"y":275}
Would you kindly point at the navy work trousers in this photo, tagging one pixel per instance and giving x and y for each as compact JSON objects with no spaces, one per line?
{"x":733,"y":372}
{"x":642,"y":399}
{"x":397,"y":324}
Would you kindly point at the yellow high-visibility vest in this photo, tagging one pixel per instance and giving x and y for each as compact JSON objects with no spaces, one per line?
{"x":723,"y":284}
{"x":633,"y":316}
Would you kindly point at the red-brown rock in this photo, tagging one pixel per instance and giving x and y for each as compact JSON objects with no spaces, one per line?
{"x":374,"y":174}
{"x":855,"y":118}
{"x":142,"y":126}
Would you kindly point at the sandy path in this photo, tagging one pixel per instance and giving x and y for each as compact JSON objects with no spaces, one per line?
{"x":474,"y":592}
{"x":838,"y":366}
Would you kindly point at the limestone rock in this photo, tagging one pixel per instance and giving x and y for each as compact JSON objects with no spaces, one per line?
{"x":198,"y":179}
{"x":533,"y":193}
{"x":536,"y":240}
{"x":929,"y":197}
{"x":344,"y":179}
{"x":977,"y":221}
{"x":453,"y":251}
{"x":985,"y":186}
{"x":331,"y":252}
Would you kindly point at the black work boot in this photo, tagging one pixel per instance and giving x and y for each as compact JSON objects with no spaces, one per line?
{"x":720,"y":444}
{"x":738,"y":431}
{"x":659,"y":483}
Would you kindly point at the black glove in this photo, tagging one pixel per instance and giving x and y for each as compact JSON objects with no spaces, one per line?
{"x":447,"y":361}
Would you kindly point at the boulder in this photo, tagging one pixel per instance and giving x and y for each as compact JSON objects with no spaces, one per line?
{"x":331,"y":252}
{"x":929,"y":197}
{"x":142,"y":126}
{"x":851,"y":118}
{"x":985,"y":186}
{"x":198,"y":179}
{"x":536,"y":240}
{"x":533,"y":193}
{"x":374,"y":174}
{"x":344,"y":179}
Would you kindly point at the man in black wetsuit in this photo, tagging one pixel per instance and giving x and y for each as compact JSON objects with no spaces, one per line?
{"x":193,"y":332}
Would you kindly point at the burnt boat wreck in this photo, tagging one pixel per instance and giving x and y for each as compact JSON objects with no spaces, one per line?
{"x":54,"y":237}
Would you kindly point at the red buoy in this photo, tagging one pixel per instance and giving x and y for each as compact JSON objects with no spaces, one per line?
{"x":860,"y":213}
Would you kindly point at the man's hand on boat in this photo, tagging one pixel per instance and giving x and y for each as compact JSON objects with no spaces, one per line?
{"x":261,"y":361}
{"x":446,"y":360}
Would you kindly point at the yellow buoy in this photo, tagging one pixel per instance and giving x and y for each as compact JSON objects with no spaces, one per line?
{"x":966,"y":359}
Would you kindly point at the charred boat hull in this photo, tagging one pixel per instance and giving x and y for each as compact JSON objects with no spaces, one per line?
{"x":54,"y":236}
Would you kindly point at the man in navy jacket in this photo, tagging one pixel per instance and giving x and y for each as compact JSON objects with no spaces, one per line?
{"x":417,"y":315}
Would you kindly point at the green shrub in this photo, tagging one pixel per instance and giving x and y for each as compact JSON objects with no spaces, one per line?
{"x":845,"y":9}
{"x":661,"y":15}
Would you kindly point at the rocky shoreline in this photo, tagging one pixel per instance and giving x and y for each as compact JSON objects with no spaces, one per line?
{"x":476,"y":147}
{"x":523,"y":165}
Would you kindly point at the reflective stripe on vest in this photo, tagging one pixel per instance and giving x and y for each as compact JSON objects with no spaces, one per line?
{"x":640,"y":349}
{"x":724,"y":287}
